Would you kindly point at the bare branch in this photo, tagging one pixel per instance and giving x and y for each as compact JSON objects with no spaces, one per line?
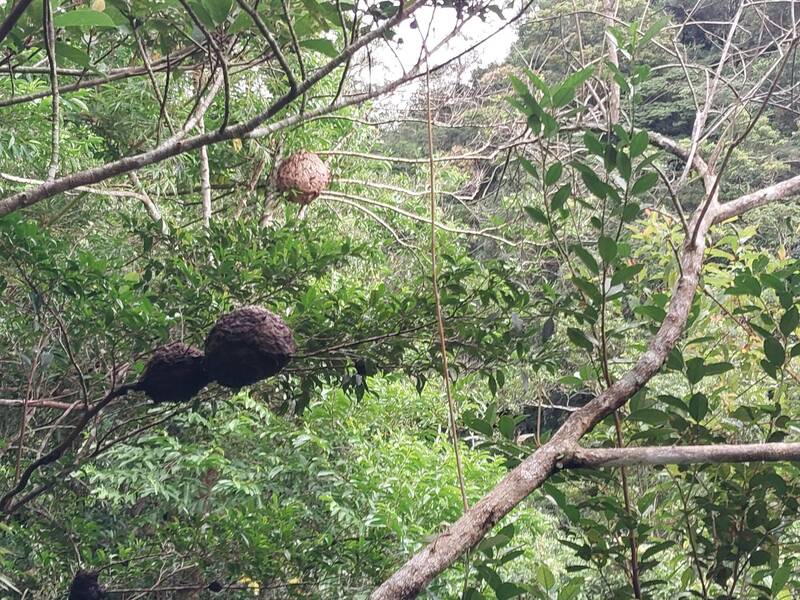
{"x":88,"y":83}
{"x":205,"y":180}
{"x":150,"y":206}
{"x":773,"y":193}
{"x":273,"y":45}
{"x":596,"y":458}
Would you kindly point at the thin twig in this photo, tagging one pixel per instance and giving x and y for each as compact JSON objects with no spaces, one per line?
{"x":50,"y":45}
{"x":451,"y":406}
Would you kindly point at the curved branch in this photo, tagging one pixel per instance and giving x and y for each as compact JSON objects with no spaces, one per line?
{"x":88,"y":83}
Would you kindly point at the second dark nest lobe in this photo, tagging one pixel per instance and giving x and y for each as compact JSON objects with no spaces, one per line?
{"x":85,"y":586}
{"x":247,"y":345}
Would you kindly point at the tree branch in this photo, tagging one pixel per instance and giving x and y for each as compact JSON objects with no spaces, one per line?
{"x":108,"y":78}
{"x":6,"y":501}
{"x":772,"y":193}
{"x":596,"y":458}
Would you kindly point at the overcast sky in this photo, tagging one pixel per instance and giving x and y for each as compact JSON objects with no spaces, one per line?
{"x":388,"y":65}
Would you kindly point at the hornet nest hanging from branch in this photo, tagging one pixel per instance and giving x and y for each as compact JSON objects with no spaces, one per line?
{"x":175,"y":373}
{"x":247,"y":345}
{"x":302,"y":176}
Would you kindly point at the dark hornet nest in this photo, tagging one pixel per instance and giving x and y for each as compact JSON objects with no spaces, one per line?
{"x":302,"y":176}
{"x":247,"y":345}
{"x":175,"y":373}
{"x":85,"y":586}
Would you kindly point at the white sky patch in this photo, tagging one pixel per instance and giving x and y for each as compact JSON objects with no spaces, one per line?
{"x":390,"y":60}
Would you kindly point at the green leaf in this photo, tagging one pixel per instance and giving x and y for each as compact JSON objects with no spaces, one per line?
{"x":698,"y":406}
{"x":72,"y":54}
{"x":624,"y":165}
{"x":593,"y":144}
{"x":774,"y":351}
{"x":607,"y":248}
{"x":562,"y":97}
{"x":717,"y":368}
{"x":655,"y":313}
{"x":760,"y":558}
{"x":548,"y":329}
{"x":630,"y":211}
{"x":780,"y":577}
{"x":528,"y":166}
{"x":639,"y":143}
{"x":204,"y":17}
{"x":588,"y":288}
{"x":566,"y":91}
{"x":82,"y":17}
{"x":652,"y":31}
{"x":508,"y":590}
{"x":644,"y":183}
{"x":476,"y":424}
{"x":626,"y":273}
{"x":695,"y":369}
{"x":540,"y":85}
{"x":218,"y":9}
{"x":321,"y":45}
{"x":586,"y":258}
{"x":597,"y":187}
{"x":577,"y":337}
{"x":571,"y":590}
{"x":553,"y":173}
{"x":531,"y":105}
{"x":674,"y":360}
{"x":560,"y":197}
{"x":649,"y":416}
{"x":578,"y":78}
{"x":242,"y":22}
{"x":789,"y":321}
{"x":545,"y":576}
{"x":536,"y":214}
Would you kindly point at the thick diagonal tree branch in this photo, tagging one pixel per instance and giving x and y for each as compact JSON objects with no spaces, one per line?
{"x":471,"y":528}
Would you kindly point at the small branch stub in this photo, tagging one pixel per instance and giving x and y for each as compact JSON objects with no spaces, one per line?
{"x":302,"y":177}
{"x":247,"y":345}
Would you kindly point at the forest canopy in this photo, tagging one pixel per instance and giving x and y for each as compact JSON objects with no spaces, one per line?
{"x":476,"y":299}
